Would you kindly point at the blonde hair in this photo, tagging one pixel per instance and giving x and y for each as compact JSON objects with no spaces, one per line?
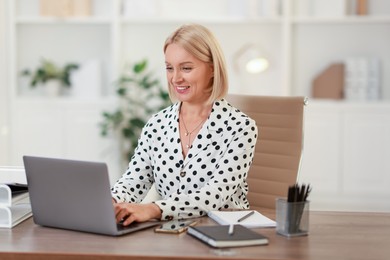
{"x":202,"y":44}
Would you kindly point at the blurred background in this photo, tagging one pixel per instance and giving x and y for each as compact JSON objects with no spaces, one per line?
{"x":336,"y":52}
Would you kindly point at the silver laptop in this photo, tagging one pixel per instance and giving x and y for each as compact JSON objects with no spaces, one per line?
{"x":74,"y":195}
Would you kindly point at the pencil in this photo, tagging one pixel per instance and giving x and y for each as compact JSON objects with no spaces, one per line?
{"x":246,"y":216}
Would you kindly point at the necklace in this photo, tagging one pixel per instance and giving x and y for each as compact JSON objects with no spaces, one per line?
{"x":188,"y":133}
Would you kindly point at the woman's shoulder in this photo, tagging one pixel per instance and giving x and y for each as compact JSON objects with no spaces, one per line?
{"x":234,"y":111}
{"x":163,"y":115}
{"x":231,"y":115}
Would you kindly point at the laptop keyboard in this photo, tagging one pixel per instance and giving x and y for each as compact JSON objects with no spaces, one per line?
{"x":131,"y":226}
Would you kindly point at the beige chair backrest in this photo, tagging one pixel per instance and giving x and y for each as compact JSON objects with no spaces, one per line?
{"x":279,"y":146}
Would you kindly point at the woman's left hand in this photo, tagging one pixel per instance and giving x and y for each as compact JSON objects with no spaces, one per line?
{"x":130,"y":212}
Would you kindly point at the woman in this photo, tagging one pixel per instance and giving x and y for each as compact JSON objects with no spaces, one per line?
{"x":197,"y":151}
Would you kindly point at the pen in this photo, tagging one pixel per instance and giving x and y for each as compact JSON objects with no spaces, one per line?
{"x":231,"y":229}
{"x":298,"y":193}
{"x":246,"y":216}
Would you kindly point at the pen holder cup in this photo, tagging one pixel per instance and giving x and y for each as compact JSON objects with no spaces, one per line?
{"x":292,"y":218}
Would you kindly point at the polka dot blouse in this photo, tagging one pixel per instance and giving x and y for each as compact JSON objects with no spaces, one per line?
{"x":211,"y":177}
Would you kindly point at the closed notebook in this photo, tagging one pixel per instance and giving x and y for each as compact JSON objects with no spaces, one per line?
{"x":256,"y":220}
{"x":218,"y":236}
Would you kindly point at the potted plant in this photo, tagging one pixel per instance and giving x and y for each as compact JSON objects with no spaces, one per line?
{"x":50,"y":75}
{"x":140,"y":95}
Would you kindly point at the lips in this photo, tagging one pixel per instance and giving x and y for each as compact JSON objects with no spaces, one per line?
{"x":182,"y":89}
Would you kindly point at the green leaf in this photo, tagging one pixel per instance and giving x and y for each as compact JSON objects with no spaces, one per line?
{"x":125,"y":80}
{"x":121,"y":91}
{"x":49,"y":70}
{"x":127,"y":132}
{"x":139,"y":67}
{"x":137,"y":122}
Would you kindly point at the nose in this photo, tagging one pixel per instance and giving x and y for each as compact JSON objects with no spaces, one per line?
{"x":176,"y":77}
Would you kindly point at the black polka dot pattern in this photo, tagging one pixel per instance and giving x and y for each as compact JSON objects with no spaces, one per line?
{"x":211,"y":177}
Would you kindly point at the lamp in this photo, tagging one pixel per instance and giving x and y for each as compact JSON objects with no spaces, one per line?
{"x":251,"y":57}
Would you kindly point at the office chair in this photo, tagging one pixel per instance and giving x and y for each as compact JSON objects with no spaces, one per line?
{"x":279,"y":145}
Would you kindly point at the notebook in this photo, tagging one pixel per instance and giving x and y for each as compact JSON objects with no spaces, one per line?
{"x":255,"y":220}
{"x":74,"y":195}
{"x":218,"y":236}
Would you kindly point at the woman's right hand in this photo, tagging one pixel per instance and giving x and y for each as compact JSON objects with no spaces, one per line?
{"x":128,"y":213}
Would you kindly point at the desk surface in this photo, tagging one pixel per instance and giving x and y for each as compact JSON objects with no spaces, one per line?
{"x":333,"y":235}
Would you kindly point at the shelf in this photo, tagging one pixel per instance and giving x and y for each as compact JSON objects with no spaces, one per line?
{"x":58,"y":20}
{"x":347,"y":103}
{"x":118,"y":36}
{"x":342,"y":20}
{"x":145,"y":20}
{"x":65,"y":101}
{"x":215,"y":20}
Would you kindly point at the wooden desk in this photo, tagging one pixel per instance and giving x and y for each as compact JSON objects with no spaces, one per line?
{"x":332,"y":236}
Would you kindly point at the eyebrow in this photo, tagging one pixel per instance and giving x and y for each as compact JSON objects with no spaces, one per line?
{"x":182,"y":63}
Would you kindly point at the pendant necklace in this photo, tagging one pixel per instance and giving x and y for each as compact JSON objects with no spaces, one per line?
{"x":188,"y":133}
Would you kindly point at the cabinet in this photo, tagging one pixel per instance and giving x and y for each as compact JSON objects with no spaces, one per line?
{"x":299,"y":46}
{"x":57,"y":128}
{"x":345,"y":158}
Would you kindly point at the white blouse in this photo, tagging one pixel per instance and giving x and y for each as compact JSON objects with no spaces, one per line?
{"x":211,"y":177}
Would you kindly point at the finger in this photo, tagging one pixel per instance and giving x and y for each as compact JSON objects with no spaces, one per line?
{"x":130,"y":219}
{"x":117,"y":211}
{"x":117,"y":208}
{"x":123,"y":214}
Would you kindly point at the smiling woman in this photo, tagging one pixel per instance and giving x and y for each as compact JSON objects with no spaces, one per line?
{"x":210,"y":143}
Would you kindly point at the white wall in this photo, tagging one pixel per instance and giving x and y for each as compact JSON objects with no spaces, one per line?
{"x":3,"y":86}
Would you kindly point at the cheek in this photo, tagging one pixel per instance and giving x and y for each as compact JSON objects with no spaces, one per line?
{"x":211,"y":81}
{"x":211,"y":75}
{"x":208,"y":80}
{"x":169,"y":77}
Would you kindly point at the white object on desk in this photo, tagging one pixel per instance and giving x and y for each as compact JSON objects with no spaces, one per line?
{"x":12,"y":216}
{"x":256,"y":220}
{"x":14,"y":207}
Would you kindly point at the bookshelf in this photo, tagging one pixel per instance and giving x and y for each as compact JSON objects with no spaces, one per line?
{"x":299,"y":44}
